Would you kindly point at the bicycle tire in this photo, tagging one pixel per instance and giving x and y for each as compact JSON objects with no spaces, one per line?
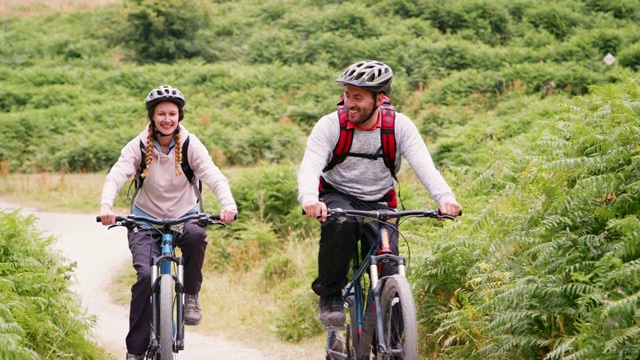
{"x":352,"y":328}
{"x":399,"y":316}
{"x":166,"y":317}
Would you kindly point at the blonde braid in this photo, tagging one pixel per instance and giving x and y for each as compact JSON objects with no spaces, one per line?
{"x":148,"y":151}
{"x":178,"y":154}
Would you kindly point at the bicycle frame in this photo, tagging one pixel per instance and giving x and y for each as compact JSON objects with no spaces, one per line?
{"x":355,"y":288}
{"x":161,"y":272}
{"x":354,"y":294}
{"x":162,"y":265}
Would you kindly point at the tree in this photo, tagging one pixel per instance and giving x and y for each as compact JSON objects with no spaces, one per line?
{"x":165,"y":31}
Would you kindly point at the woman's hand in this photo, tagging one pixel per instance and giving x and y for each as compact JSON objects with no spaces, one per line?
{"x":228,"y":215}
{"x":107,"y":216}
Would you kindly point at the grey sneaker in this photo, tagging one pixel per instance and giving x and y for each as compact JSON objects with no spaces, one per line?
{"x":134,"y":357}
{"x":192,"y":310}
{"x":331,"y":311}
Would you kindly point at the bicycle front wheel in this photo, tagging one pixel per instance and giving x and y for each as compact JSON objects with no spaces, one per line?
{"x":399,"y":316}
{"x":167,"y":285}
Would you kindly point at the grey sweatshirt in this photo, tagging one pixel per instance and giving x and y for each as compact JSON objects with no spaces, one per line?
{"x":366,"y":179}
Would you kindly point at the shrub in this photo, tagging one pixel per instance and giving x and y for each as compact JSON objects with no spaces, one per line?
{"x":630,"y":57}
{"x":620,"y":9}
{"x":297,"y":319}
{"x":273,"y":144}
{"x":267,"y":193}
{"x":241,"y":246}
{"x":558,"y":20}
{"x":164,"y":31}
{"x":278,"y":268}
{"x":46,"y":316}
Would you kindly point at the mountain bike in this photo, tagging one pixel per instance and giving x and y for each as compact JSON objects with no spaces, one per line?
{"x":167,"y":276}
{"x":385,"y":321}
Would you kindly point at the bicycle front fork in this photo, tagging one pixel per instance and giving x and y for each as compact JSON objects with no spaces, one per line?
{"x":159,"y":268}
{"x":377,"y":291}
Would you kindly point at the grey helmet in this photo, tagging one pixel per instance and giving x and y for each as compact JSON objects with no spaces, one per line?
{"x":164,"y":93}
{"x":370,"y":74}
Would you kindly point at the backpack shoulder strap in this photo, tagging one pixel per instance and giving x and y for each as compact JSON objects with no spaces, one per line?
{"x":186,"y":168}
{"x":344,"y":141}
{"x":188,"y":172}
{"x":138,"y":180}
{"x":388,"y":136}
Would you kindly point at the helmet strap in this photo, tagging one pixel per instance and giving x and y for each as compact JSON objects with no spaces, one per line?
{"x":157,"y":132}
{"x":375,"y":105}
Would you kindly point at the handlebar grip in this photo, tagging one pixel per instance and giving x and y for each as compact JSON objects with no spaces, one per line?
{"x":216,"y":217}
{"x":118,"y":218}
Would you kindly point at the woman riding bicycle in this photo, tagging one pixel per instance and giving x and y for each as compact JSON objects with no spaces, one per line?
{"x":362,"y":179}
{"x":167,"y":193}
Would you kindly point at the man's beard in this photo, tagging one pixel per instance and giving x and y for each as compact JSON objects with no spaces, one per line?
{"x":363,"y":116}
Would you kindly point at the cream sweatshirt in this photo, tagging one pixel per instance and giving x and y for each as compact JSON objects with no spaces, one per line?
{"x":165,"y":194}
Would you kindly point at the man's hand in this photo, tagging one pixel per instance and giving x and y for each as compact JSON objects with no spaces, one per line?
{"x":316,"y":209}
{"x":450,"y":207}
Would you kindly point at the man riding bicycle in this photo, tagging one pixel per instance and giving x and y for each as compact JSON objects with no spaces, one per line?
{"x":360,"y":178}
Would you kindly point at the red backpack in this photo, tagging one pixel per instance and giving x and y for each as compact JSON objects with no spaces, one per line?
{"x":387,"y":138}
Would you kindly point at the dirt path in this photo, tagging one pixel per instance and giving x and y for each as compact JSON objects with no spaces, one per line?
{"x":99,"y":253}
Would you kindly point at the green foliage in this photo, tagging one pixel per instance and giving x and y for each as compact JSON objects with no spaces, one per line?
{"x":544,"y":261}
{"x":247,"y":66}
{"x":269,"y":194}
{"x":277,"y":269}
{"x":630,"y":57}
{"x":620,"y":9}
{"x":164,"y":31}
{"x":550,"y":269}
{"x":46,"y":320}
{"x":297,"y":319}
{"x":556,"y":19}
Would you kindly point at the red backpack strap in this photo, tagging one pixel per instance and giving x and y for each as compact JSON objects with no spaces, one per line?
{"x":344,"y":141}
{"x":387,"y":135}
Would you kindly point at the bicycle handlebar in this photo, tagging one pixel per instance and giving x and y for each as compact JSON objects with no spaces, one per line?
{"x":389,"y":214}
{"x":133,"y":220}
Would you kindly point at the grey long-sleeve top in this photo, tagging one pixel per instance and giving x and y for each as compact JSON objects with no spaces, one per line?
{"x":366,"y":179}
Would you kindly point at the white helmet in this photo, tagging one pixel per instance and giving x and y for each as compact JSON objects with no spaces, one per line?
{"x":164,"y":93}
{"x":370,"y":74}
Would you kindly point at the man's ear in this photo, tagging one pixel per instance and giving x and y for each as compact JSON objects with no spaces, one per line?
{"x":379,"y":99}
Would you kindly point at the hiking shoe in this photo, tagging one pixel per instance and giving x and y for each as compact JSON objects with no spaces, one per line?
{"x":331,"y":311}
{"x":134,"y":357}
{"x":338,"y":344}
{"x":192,"y":310}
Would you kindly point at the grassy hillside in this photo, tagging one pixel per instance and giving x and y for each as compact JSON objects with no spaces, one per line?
{"x":546,"y":178}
